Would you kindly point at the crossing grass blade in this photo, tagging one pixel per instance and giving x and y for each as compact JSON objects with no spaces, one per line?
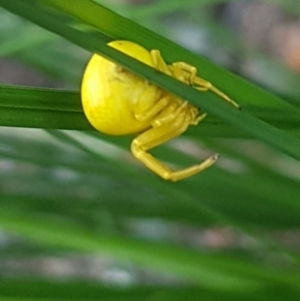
{"x":89,"y":12}
{"x":60,"y":109}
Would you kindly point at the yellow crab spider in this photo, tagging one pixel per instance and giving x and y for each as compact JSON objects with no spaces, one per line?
{"x":118,"y":102}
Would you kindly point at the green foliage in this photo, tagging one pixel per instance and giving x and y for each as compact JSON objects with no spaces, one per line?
{"x":79,"y":191}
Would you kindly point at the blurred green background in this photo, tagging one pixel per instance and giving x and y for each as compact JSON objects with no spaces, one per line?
{"x":80,"y":219}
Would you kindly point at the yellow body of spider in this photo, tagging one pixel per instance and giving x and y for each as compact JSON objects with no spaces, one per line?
{"x":118,"y":102}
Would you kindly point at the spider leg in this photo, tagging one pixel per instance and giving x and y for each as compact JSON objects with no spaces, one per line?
{"x":174,"y":70}
{"x":161,"y":107}
{"x":159,"y":63}
{"x":169,"y":114}
{"x":200,"y":83}
{"x":159,"y":135}
{"x":151,"y":112}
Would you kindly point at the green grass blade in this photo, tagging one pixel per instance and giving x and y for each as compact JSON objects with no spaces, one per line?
{"x":56,"y":109}
{"x":41,"y":108}
{"x":118,"y":27}
{"x":207,"y":270}
{"x":77,"y":290}
{"x":239,"y":89}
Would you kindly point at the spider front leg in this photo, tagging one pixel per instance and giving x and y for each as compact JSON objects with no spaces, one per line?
{"x":159,"y":63}
{"x":190,"y":73}
{"x":175,"y":70}
{"x":158,"y":135}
